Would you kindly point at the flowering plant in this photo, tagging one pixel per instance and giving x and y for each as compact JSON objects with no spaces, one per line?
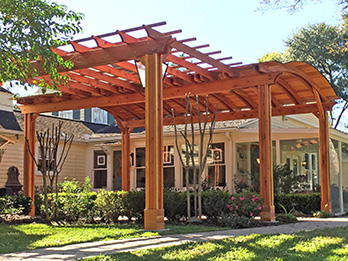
{"x":246,"y":205}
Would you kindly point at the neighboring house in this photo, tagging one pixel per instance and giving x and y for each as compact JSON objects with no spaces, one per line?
{"x":96,"y":151}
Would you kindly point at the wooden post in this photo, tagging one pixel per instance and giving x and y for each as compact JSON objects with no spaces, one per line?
{"x":324,"y":162}
{"x":126,"y":159}
{"x":154,"y":213}
{"x":29,"y":165}
{"x":265,"y":153}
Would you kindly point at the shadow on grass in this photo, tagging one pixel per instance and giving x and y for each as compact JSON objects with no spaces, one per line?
{"x":317,"y":245}
{"x":13,"y":240}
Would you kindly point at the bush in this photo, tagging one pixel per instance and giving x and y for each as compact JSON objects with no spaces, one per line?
{"x":174,"y":203}
{"x":226,"y":220}
{"x":134,"y":204}
{"x":214,"y":203}
{"x":15,"y":204}
{"x":305,"y":203}
{"x":284,"y":179}
{"x":286,"y":218}
{"x":109,"y":205}
{"x":322,"y":214}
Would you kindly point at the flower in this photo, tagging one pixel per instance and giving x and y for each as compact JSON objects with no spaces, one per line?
{"x":257,"y":198}
{"x":252,"y":199}
{"x":241,"y":198}
{"x":228,"y":205}
{"x":236,"y":207}
{"x":241,"y":180}
{"x":259,"y":208}
{"x":232,"y":198}
{"x":251,"y":214}
{"x":209,"y":177}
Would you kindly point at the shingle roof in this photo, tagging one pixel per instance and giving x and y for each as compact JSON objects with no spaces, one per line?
{"x":8,"y":121}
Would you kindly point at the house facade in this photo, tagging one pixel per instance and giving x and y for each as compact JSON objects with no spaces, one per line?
{"x":234,"y":156}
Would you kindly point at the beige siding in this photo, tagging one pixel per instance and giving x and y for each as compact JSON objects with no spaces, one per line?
{"x":74,"y":167}
{"x":6,"y":103}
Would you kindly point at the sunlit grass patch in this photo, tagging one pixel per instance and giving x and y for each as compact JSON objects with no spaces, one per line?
{"x":315,"y":243}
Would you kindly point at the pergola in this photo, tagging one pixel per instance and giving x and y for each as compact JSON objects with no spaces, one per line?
{"x":104,"y":75}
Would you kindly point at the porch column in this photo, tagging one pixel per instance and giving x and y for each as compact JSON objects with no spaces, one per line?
{"x":324,"y":162}
{"x":125,"y":159}
{"x":154,"y":213}
{"x":29,"y":165}
{"x":265,"y":153}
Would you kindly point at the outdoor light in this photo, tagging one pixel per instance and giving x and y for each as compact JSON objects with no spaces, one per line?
{"x":141,"y":71}
{"x":303,"y":163}
{"x":258,"y":160}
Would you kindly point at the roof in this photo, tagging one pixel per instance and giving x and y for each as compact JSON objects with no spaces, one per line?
{"x":2,"y":89}
{"x":104,"y":75}
{"x":8,"y":121}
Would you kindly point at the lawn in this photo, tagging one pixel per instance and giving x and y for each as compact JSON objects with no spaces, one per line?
{"x":325,"y":244}
{"x":31,"y":236}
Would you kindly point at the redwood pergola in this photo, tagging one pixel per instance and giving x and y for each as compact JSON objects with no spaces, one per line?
{"x":104,"y":75}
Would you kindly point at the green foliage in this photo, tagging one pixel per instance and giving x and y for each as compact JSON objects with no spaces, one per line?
{"x":71,"y":186}
{"x":322,"y":214}
{"x":286,"y":218}
{"x":226,"y":220}
{"x":134,"y":204}
{"x":284,"y":179}
{"x":306,"y":203}
{"x":214,"y":203}
{"x":15,"y":204}
{"x":241,"y":185}
{"x":174,"y":204}
{"x":28,"y":30}
{"x":109,"y":205}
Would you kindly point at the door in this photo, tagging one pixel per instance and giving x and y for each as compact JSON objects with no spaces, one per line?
{"x":117,"y":173}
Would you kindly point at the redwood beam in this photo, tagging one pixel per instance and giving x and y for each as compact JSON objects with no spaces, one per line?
{"x":29,"y":165}
{"x":265,"y":153}
{"x":154,"y":213}
{"x":324,"y":162}
{"x":168,"y":93}
{"x":126,"y":159}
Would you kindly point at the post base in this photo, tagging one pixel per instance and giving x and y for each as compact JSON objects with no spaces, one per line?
{"x":268,"y":213}
{"x":154,"y":219}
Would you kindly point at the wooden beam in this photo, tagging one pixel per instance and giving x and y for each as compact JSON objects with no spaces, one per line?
{"x":168,"y":93}
{"x":265,"y":153}
{"x":324,"y":163}
{"x":154,"y":213}
{"x":289,"y":91}
{"x":246,"y":114}
{"x":226,"y":102}
{"x":126,"y":159}
{"x":29,"y":165}
{"x":110,"y":55}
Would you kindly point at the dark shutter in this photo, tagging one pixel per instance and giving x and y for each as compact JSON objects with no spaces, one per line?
{"x":88,"y":115}
{"x":55,"y":113}
{"x":76,"y":114}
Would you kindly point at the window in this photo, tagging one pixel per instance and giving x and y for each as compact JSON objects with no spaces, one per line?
{"x":99,"y":116}
{"x":168,"y":166}
{"x":66,"y":114}
{"x":99,"y":169}
{"x":216,"y":165}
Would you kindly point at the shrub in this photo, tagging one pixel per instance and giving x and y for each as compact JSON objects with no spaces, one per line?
{"x":322,"y":214}
{"x":214,"y":203}
{"x":305,"y":203}
{"x":109,"y":205}
{"x":286,"y":218}
{"x":174,"y":203}
{"x":226,"y":220}
{"x":134,"y":204}
{"x":15,"y":204}
{"x":284,"y":179}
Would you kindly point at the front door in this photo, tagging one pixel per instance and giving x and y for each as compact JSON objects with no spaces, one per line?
{"x":117,"y":173}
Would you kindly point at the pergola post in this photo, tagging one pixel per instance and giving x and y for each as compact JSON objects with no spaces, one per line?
{"x":265,"y":153}
{"x":125,"y":159}
{"x":324,"y":162}
{"x":29,"y":165}
{"x":154,"y":213}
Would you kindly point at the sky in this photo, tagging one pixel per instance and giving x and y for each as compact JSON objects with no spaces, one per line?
{"x":232,"y":26}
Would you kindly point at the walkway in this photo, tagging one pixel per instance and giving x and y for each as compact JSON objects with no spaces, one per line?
{"x":73,"y":252}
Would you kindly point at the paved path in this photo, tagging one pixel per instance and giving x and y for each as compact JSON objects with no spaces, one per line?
{"x":73,"y":252}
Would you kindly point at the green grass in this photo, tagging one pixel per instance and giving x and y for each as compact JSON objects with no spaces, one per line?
{"x":31,"y":236}
{"x":325,"y":244}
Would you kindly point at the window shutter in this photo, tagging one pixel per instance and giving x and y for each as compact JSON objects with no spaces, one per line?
{"x":76,"y":114}
{"x":88,"y":115}
{"x":111,"y":119}
{"x":55,"y":113}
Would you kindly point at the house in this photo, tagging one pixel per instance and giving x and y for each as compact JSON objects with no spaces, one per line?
{"x":96,"y":152}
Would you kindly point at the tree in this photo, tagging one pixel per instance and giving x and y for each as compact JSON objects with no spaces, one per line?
{"x":324,"y":47}
{"x":294,"y":5}
{"x":29,"y":29}
{"x":51,"y":160}
{"x":201,"y":149}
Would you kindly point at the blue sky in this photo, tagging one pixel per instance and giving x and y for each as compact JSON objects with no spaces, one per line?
{"x":231,"y":26}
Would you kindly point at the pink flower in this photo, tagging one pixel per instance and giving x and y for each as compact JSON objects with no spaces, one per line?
{"x":228,"y":205}
{"x":236,"y":207}
{"x":241,"y":180}
{"x":244,"y":212}
{"x":241,"y":198}
{"x":251,"y":214}
{"x":209,"y":177}
{"x":253,"y":196}
{"x":232,"y":198}
{"x":257,"y":198}
{"x":246,"y":179}
{"x":252,"y":199}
